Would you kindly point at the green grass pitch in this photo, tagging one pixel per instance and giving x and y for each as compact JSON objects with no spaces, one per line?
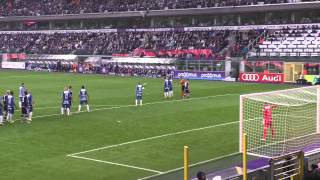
{"x":147,"y":139}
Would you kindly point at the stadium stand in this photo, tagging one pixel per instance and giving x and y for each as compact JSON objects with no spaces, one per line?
{"x":187,"y":44}
{"x":53,"y":7}
{"x":108,"y":43}
{"x":300,"y":41}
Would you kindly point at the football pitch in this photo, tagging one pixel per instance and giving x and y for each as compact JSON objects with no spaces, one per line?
{"x":117,"y":140}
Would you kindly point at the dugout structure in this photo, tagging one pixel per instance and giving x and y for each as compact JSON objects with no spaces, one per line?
{"x":295,"y":120}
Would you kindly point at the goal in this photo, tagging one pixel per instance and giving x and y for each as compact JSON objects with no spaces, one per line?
{"x":279,"y":122}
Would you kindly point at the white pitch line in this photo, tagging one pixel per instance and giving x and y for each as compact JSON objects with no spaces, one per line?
{"x":54,"y":107}
{"x":191,"y":165}
{"x":154,"y":137}
{"x":117,"y":164}
{"x":104,"y":105}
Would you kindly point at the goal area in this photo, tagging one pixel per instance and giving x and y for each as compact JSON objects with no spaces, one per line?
{"x":280,"y":122}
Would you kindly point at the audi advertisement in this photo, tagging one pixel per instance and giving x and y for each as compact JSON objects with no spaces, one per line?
{"x":200,"y":75}
{"x":262,"y":77}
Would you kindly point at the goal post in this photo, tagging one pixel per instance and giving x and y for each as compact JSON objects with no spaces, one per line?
{"x":318,"y":109}
{"x":280,"y":122}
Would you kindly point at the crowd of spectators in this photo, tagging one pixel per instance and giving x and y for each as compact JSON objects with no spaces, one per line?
{"x":242,"y":40}
{"x":136,"y":70}
{"x":106,"y":43}
{"x":313,"y":173}
{"x":52,"y":7}
{"x":50,"y":66}
{"x":115,"y":69}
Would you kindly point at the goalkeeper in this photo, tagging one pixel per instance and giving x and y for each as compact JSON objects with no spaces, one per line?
{"x":267,"y":120}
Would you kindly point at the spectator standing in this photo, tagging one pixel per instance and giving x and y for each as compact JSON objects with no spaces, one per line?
{"x":201,"y":175}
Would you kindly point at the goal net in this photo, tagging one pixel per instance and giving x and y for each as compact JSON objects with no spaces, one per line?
{"x":280,"y":122}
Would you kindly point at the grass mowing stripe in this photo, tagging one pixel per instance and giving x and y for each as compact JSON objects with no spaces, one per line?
{"x":131,"y":105}
{"x":168,"y":101}
{"x":24,"y":76}
{"x":117,"y":164}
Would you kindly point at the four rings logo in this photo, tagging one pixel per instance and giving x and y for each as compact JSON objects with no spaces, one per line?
{"x":250,"y":77}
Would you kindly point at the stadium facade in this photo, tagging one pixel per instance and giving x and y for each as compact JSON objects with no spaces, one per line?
{"x":240,"y":32}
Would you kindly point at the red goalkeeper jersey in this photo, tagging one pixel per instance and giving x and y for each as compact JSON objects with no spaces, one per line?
{"x":267,"y":115}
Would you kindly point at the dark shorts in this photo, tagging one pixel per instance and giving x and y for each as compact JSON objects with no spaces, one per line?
{"x":138,"y":97}
{"x":83,"y":102}
{"x":11,"y":110}
{"x":5,"y":108}
{"x":187,"y":91}
{"x":20,"y":99}
{"x":24,"y":110}
{"x":166,"y":90}
{"x":66,"y":106}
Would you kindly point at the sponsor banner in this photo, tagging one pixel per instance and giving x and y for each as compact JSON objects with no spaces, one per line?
{"x":262,"y":77}
{"x":210,"y":28}
{"x":249,"y":27}
{"x":200,"y":75}
{"x":149,"y":30}
{"x":13,"y":65}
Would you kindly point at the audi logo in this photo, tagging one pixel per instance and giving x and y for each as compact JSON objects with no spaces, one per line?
{"x":250,"y":77}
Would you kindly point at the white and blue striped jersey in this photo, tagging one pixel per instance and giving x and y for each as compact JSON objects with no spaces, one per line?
{"x":166,"y":85}
{"x":10,"y":101}
{"x":21,"y":91}
{"x":66,"y":98}
{"x":1,"y":105}
{"x":30,"y":99}
{"x":139,"y":90}
{"x":83,"y":95}
{"x":170,"y":84}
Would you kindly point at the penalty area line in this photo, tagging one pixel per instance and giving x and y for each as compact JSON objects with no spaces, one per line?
{"x":154,"y":137}
{"x":116,"y":164}
{"x":190,"y":166}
